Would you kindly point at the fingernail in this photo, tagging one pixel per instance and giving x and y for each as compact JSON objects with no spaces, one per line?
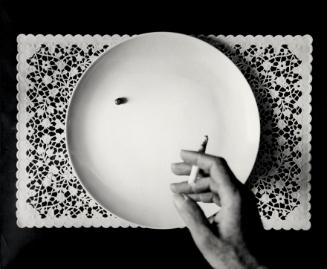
{"x":172,"y":187}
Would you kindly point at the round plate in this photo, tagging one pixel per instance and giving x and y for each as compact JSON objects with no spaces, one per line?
{"x":178,"y":89}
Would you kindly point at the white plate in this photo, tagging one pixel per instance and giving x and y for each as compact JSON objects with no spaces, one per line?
{"x":179,"y":89}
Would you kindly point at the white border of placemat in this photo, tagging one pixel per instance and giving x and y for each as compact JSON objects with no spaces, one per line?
{"x":28,"y":217}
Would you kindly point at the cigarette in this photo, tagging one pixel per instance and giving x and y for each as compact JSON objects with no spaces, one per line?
{"x":195,"y":169}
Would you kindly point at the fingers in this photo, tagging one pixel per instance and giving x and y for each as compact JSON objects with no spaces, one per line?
{"x":193,"y":218}
{"x":206,"y":197}
{"x":222,"y":177}
{"x":208,"y":243}
{"x":201,"y":185}
{"x":181,"y":169}
{"x":205,"y":162}
{"x":220,"y":187}
{"x":184,"y":169}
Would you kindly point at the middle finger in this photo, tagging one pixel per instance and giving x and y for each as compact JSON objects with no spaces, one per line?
{"x":181,"y":169}
{"x":201,"y":185}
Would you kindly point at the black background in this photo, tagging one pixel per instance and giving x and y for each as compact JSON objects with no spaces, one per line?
{"x":143,"y":248}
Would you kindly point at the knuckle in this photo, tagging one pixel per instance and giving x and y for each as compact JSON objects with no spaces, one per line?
{"x":221,"y":162}
{"x":216,"y":162}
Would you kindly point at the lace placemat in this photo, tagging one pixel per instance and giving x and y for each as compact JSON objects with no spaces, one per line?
{"x":50,"y":195}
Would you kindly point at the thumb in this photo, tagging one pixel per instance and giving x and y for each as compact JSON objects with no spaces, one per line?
{"x":194,"y":219}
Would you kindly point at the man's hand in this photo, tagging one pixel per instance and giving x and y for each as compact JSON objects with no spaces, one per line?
{"x":223,"y":246}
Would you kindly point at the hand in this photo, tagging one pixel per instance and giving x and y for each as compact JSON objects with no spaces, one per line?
{"x":224,"y":245}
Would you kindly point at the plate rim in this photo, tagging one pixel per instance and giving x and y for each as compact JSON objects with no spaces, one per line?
{"x":133,"y":224}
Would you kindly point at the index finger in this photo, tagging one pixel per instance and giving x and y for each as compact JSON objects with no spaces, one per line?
{"x":203,"y":161}
{"x":215,"y":166}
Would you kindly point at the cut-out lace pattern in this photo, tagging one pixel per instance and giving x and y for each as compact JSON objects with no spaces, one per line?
{"x":275,"y":73}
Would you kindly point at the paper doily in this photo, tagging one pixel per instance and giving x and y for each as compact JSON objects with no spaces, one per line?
{"x":49,"y":194}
